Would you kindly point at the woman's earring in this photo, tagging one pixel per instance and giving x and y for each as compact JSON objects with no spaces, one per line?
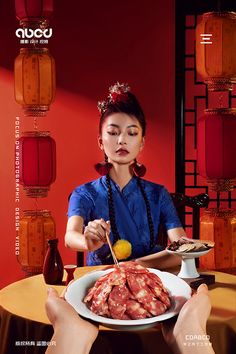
{"x":103,"y":168}
{"x":138,"y":169}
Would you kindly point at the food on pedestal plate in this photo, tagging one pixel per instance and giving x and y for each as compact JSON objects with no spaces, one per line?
{"x":190,"y":245}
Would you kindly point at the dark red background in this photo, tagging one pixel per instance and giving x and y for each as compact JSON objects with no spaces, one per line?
{"x":95,"y":44}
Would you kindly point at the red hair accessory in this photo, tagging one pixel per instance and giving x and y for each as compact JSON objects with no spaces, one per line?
{"x":117,"y":93}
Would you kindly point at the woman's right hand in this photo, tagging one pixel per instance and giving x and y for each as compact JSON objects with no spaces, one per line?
{"x":95,"y":233}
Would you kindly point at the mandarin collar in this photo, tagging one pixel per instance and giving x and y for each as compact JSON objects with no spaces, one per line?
{"x":131,"y":185}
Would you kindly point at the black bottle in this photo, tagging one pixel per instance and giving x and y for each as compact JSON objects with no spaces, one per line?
{"x":53,"y":266}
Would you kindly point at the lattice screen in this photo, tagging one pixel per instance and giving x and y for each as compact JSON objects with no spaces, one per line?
{"x":194,"y":98}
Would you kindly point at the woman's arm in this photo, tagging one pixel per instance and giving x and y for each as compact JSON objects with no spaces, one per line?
{"x":160,"y":260}
{"x":93,"y":237}
{"x":163,"y":259}
{"x":74,"y":237}
{"x":175,"y":234}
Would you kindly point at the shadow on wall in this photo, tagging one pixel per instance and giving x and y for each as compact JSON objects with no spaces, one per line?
{"x":94,"y":46}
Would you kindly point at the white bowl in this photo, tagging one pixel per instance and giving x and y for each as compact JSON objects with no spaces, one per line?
{"x":178,"y":289}
{"x":195,"y":254}
{"x":188,"y":268}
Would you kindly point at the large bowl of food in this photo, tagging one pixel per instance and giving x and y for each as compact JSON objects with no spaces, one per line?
{"x":128,"y":297}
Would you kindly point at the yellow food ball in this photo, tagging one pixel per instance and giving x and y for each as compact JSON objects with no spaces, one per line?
{"x":122,"y":249}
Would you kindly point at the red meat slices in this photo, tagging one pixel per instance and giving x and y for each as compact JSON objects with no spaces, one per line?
{"x":104,"y":288}
{"x":128,"y":292}
{"x":117,"y":301}
{"x":92,"y":290}
{"x":133,"y":267}
{"x":136,"y":311}
{"x":103,"y":310}
{"x":144,"y":295}
{"x":155,"y":285}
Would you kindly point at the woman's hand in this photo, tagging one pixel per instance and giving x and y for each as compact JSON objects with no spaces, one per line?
{"x":72,"y":334}
{"x":95,"y":233}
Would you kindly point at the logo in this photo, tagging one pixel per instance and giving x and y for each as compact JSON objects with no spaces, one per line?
{"x":206,"y":38}
{"x":37,"y":33}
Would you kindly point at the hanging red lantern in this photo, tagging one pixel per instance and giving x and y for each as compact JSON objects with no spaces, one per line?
{"x":35,"y":228}
{"x":215,"y":50}
{"x":219,"y":226}
{"x":216,"y":148}
{"x":37,"y":163}
{"x":36,"y":12}
{"x":35,"y":81}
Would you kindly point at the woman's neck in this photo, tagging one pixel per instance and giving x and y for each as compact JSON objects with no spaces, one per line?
{"x":121,"y":175}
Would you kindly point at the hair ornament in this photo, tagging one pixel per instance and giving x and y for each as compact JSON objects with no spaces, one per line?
{"x":119,"y":89}
{"x":116,"y":93}
{"x":102,"y":106}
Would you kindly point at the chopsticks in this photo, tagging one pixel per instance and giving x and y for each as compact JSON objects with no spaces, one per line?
{"x":112,"y":252}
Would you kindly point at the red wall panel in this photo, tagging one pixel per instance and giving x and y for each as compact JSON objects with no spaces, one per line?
{"x":125,"y":41}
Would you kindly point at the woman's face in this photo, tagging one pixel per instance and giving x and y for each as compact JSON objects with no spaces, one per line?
{"x":121,"y":138}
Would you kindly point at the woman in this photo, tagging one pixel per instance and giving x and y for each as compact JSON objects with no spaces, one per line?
{"x":120,"y":203}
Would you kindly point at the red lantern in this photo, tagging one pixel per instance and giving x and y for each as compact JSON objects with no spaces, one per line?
{"x":36,"y":227}
{"x":37,"y":163}
{"x":36,"y":12}
{"x":215,"y":50}
{"x":35,"y":81}
{"x":216,"y":147}
{"x":219,"y":225}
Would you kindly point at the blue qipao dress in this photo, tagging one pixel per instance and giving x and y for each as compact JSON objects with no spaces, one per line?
{"x":90,"y":201}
